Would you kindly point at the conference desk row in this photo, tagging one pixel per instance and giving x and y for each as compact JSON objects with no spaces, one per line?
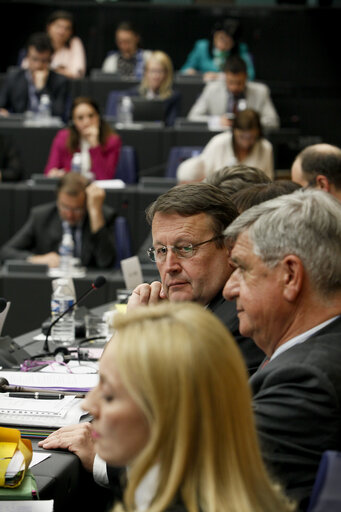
{"x":151,"y":141}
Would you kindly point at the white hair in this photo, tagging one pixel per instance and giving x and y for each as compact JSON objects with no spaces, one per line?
{"x":306,"y":223}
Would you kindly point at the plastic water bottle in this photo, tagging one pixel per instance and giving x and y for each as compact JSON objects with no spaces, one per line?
{"x":66,"y":249}
{"x":63,"y":332}
{"x":44,"y":108}
{"x":125,"y":110}
{"x":76,"y":163}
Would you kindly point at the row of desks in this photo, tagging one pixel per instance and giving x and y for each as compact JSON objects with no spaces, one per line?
{"x":152,"y":144}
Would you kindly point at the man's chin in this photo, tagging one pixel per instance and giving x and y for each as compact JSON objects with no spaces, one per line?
{"x":180,"y":296}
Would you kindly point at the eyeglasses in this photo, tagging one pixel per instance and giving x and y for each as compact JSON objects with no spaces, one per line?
{"x":159,"y":254}
{"x":69,"y":209}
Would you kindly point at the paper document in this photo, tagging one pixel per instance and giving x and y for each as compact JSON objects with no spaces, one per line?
{"x":38,"y":457}
{"x":27,"y":506}
{"x":61,"y":381}
{"x":41,"y":413}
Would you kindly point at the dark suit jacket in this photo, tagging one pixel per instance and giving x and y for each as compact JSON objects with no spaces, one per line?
{"x":14,"y":93}
{"x":10,"y":165}
{"x":226,"y":311}
{"x":43,"y":231}
{"x":297,"y":404}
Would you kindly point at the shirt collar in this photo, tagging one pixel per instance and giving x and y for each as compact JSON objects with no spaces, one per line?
{"x":301,"y":338}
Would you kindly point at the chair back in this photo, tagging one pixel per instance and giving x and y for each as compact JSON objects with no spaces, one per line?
{"x":127,"y":165}
{"x":177,"y":155}
{"x":326,"y":494}
{"x":122,"y":239}
{"x":113,"y":100}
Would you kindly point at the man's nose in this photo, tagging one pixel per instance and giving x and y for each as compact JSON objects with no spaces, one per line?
{"x":172,"y":261}
{"x":231,"y":288}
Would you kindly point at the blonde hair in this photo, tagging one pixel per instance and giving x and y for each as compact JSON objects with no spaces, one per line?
{"x":166,"y":87}
{"x":185,"y":371}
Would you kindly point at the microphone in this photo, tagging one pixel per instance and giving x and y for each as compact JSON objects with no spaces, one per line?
{"x":98,"y":283}
{"x":5,"y":387}
{"x":3,"y":304}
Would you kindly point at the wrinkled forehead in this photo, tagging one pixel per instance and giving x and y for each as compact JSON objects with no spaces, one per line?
{"x":174,"y":227}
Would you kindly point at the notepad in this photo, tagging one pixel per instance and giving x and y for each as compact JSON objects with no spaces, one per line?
{"x":41,"y":413}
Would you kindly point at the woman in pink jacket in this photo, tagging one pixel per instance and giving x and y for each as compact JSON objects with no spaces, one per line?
{"x":91,"y":137}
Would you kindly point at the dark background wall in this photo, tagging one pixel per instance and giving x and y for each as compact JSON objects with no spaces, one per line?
{"x":295,"y":49}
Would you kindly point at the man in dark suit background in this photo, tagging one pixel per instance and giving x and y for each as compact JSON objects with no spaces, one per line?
{"x":23,"y":88}
{"x":287,"y":287}
{"x":79,"y":209}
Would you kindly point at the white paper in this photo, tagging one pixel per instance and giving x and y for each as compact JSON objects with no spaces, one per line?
{"x":132,"y":273}
{"x":27,"y":506}
{"x":62,"y":381}
{"x":110,"y":184}
{"x":38,"y":457}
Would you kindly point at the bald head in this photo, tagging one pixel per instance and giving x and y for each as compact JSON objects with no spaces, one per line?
{"x":319,"y":166}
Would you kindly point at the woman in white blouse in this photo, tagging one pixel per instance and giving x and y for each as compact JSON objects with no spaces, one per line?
{"x":243,"y":145}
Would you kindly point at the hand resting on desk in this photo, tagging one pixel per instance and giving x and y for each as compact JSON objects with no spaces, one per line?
{"x":75,"y":438}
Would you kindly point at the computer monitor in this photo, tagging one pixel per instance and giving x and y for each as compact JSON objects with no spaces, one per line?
{"x":148,"y":109}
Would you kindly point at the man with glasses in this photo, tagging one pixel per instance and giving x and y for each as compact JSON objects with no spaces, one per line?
{"x":23,"y":88}
{"x":189,"y":250}
{"x":79,"y":210}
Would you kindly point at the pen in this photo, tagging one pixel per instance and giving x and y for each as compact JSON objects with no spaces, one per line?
{"x":37,"y":396}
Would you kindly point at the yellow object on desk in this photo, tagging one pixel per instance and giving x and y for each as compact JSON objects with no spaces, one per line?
{"x":13,"y":449}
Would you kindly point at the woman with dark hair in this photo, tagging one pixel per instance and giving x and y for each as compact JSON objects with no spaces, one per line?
{"x":128,"y":60}
{"x":69,"y":57}
{"x":89,"y":135}
{"x":244,"y":144}
{"x":209,"y":57}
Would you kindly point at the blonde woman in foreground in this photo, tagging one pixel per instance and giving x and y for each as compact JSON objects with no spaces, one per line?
{"x":173,"y":405}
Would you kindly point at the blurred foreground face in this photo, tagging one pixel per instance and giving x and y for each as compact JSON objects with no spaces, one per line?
{"x":127,"y":43}
{"x":200,"y":277}
{"x":120,"y":429}
{"x":60,"y":32}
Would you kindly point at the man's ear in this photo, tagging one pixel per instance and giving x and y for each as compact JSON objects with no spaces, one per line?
{"x":293,"y":275}
{"x":322,"y":182}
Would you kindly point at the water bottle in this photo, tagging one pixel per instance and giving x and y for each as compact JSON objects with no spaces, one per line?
{"x":125,"y":111}
{"x":76,"y":163}
{"x":63,"y":332}
{"x":66,"y":249}
{"x":44,"y":107}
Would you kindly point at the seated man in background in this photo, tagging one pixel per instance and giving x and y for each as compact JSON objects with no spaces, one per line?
{"x":287,"y":286}
{"x":319,"y":166}
{"x":10,"y":164}
{"x":23,"y":88}
{"x":79,"y":208}
{"x":129,"y":60}
{"x":224,"y":98}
